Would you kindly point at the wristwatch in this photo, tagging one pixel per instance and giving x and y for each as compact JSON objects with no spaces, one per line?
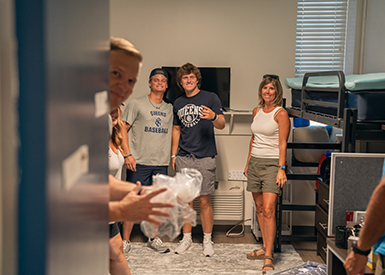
{"x":282,"y":167}
{"x":359,"y":251}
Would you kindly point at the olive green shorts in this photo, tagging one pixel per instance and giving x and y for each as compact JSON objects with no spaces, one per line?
{"x":262,"y":175}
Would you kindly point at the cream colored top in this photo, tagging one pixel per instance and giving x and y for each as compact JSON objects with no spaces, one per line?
{"x":265,"y":131}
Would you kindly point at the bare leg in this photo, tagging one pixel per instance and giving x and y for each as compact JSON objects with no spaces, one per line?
{"x":186,"y":241}
{"x":269,"y":224}
{"x":258,"y":199}
{"x":187,"y":226}
{"x":127,"y":229}
{"x":118,"y":263}
{"x":206,"y":213}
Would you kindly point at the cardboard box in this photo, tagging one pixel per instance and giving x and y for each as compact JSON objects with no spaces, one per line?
{"x":372,"y":259}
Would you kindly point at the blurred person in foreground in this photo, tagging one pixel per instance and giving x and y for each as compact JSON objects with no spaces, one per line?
{"x":371,"y":234}
{"x":127,"y":200}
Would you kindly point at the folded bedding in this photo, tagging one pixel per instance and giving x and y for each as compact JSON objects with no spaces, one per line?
{"x":354,"y":82}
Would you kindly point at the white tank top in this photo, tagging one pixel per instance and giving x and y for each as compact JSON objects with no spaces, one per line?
{"x":265,"y":131}
{"x":115,"y":163}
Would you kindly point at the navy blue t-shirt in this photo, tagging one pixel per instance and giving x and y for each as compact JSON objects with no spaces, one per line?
{"x":196,"y":134}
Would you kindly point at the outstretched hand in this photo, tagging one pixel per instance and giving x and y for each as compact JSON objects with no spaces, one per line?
{"x":134,"y":207}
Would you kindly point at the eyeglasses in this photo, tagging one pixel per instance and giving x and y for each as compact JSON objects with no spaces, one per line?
{"x":274,"y":76}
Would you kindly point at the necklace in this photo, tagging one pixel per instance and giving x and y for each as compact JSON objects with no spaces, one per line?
{"x":156,"y":107}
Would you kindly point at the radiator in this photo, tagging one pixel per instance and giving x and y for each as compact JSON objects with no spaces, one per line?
{"x":227,"y":202}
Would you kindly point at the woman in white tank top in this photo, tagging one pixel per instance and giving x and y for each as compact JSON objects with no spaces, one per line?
{"x":118,"y":263}
{"x":265,"y":168}
{"x":115,"y":155}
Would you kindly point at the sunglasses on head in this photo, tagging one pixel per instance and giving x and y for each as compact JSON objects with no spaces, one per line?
{"x":274,"y":76}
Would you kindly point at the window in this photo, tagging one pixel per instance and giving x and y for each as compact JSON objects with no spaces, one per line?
{"x":322,"y":31}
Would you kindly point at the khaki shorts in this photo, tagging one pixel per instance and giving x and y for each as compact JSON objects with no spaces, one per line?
{"x":262,"y":175}
{"x":380,"y":265}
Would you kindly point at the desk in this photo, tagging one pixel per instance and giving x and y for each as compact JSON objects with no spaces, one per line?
{"x":335,"y":259}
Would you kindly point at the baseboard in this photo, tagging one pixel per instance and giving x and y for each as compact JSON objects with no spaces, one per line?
{"x":198,"y":228}
{"x":219,"y":228}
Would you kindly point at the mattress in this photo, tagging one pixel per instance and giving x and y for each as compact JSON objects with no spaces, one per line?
{"x":355,"y":82}
{"x":366,"y":93}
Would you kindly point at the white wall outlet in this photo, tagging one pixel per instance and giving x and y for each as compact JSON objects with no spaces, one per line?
{"x":236,"y":175}
{"x":75,"y":166}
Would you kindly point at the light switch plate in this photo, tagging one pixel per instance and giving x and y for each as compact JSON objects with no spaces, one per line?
{"x":101,"y":103}
{"x":75,"y":166}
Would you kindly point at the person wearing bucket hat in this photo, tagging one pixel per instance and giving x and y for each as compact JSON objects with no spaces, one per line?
{"x":148,"y":143}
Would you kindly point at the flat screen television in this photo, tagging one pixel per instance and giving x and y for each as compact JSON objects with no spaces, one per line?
{"x":214,"y":79}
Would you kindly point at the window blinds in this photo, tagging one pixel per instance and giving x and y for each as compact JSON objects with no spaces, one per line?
{"x":321,"y":35}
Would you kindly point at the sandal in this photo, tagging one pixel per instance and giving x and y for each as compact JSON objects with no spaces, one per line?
{"x":253,"y":254}
{"x":268,"y":265}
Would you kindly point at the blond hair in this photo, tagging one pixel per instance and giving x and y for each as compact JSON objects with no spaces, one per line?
{"x":116,"y":137}
{"x":117,"y":43}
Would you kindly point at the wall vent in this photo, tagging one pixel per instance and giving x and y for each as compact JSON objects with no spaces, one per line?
{"x":227,"y":202}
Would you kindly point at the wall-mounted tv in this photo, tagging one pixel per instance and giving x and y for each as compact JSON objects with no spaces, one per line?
{"x":214,"y":79}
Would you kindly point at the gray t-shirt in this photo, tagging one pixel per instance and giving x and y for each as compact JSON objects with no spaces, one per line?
{"x":150,"y":133}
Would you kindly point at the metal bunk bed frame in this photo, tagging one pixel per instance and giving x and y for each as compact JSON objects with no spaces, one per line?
{"x":346,"y":119}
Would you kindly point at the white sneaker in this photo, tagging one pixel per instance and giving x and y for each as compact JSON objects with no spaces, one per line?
{"x":126,"y":248}
{"x":157,"y":245}
{"x":208,"y":249}
{"x":184,"y":244}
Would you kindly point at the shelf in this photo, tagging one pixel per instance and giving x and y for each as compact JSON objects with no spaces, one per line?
{"x":336,"y":257}
{"x":237,"y":123}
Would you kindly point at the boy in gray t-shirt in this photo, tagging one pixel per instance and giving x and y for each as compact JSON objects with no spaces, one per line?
{"x":148,"y":142}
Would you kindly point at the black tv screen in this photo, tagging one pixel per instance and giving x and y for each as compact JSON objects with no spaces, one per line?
{"x":214,"y":79}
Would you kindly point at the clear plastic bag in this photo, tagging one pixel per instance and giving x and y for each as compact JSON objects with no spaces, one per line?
{"x":181,"y":189}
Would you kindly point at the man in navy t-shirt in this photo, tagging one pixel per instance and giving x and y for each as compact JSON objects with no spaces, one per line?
{"x":196,"y":113}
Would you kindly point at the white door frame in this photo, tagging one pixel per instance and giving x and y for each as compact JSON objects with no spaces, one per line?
{"x":8,"y":139}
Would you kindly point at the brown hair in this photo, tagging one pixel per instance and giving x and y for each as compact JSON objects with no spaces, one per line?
{"x":188,"y":68}
{"x":278,"y":100}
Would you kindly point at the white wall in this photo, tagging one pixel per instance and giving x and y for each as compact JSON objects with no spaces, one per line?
{"x":374,"y":49}
{"x":253,"y":37}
